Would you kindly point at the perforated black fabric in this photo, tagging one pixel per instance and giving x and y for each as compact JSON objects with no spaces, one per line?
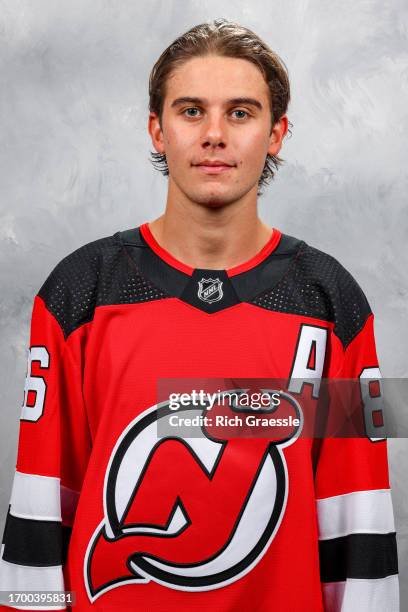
{"x":316,"y":285}
{"x":98,"y":273}
{"x":310,"y":283}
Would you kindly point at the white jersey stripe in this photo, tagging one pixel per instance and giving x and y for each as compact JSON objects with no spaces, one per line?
{"x":15,"y":577}
{"x":35,"y":497}
{"x":357,"y":512}
{"x":42,"y":498}
{"x":362,"y":595}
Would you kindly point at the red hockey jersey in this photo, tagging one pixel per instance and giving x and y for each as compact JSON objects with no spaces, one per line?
{"x":127,"y":520}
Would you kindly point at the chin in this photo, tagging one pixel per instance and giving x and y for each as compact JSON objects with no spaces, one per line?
{"x":215,"y":199}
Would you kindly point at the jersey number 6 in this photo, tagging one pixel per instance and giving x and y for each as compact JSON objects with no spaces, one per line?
{"x":32,"y":410}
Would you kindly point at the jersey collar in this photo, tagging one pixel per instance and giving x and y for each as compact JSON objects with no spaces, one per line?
{"x":266,"y":250}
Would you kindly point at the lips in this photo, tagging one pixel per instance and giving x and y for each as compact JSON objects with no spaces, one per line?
{"x":214,"y":163}
{"x":211,"y":166}
{"x":213,"y":169}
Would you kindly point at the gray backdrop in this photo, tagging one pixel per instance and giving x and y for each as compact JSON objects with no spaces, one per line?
{"x":74,"y":155}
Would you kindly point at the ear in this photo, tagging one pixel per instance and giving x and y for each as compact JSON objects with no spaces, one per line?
{"x":278,"y":133}
{"x":155,"y":132}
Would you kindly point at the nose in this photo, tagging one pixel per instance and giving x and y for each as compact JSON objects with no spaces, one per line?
{"x":214,"y":132}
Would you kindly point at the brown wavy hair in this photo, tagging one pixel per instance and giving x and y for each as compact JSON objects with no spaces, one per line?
{"x":228,"y":39}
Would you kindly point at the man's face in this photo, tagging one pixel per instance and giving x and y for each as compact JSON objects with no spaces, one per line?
{"x":216,"y":111}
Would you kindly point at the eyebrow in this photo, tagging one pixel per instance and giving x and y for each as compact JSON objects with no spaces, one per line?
{"x":232,"y":101}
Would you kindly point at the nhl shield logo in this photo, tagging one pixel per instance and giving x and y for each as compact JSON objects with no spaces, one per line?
{"x":210,"y":290}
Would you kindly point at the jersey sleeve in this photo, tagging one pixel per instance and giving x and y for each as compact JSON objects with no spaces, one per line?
{"x":53,"y":451}
{"x":357,"y":540}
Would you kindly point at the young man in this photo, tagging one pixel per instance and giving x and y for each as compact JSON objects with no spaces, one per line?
{"x":103,"y":505}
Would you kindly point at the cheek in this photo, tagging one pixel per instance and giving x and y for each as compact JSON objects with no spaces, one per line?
{"x":252,"y":146}
{"x":177,"y":141}
{"x":175,"y":153}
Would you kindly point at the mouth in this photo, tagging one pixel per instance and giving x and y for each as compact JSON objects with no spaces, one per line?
{"x":213,"y":167}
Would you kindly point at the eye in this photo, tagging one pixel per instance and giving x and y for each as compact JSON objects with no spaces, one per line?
{"x":191,"y":114}
{"x":242,"y":114}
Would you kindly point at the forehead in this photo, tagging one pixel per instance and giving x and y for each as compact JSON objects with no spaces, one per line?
{"x":216,"y":77}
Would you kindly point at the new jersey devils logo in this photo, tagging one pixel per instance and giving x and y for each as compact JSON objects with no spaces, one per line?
{"x":189,"y":513}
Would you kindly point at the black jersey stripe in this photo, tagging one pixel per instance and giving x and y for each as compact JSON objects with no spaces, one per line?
{"x":35,"y":543}
{"x":358,"y":555}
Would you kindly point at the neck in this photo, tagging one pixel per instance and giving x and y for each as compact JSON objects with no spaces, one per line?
{"x":213,"y":237}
